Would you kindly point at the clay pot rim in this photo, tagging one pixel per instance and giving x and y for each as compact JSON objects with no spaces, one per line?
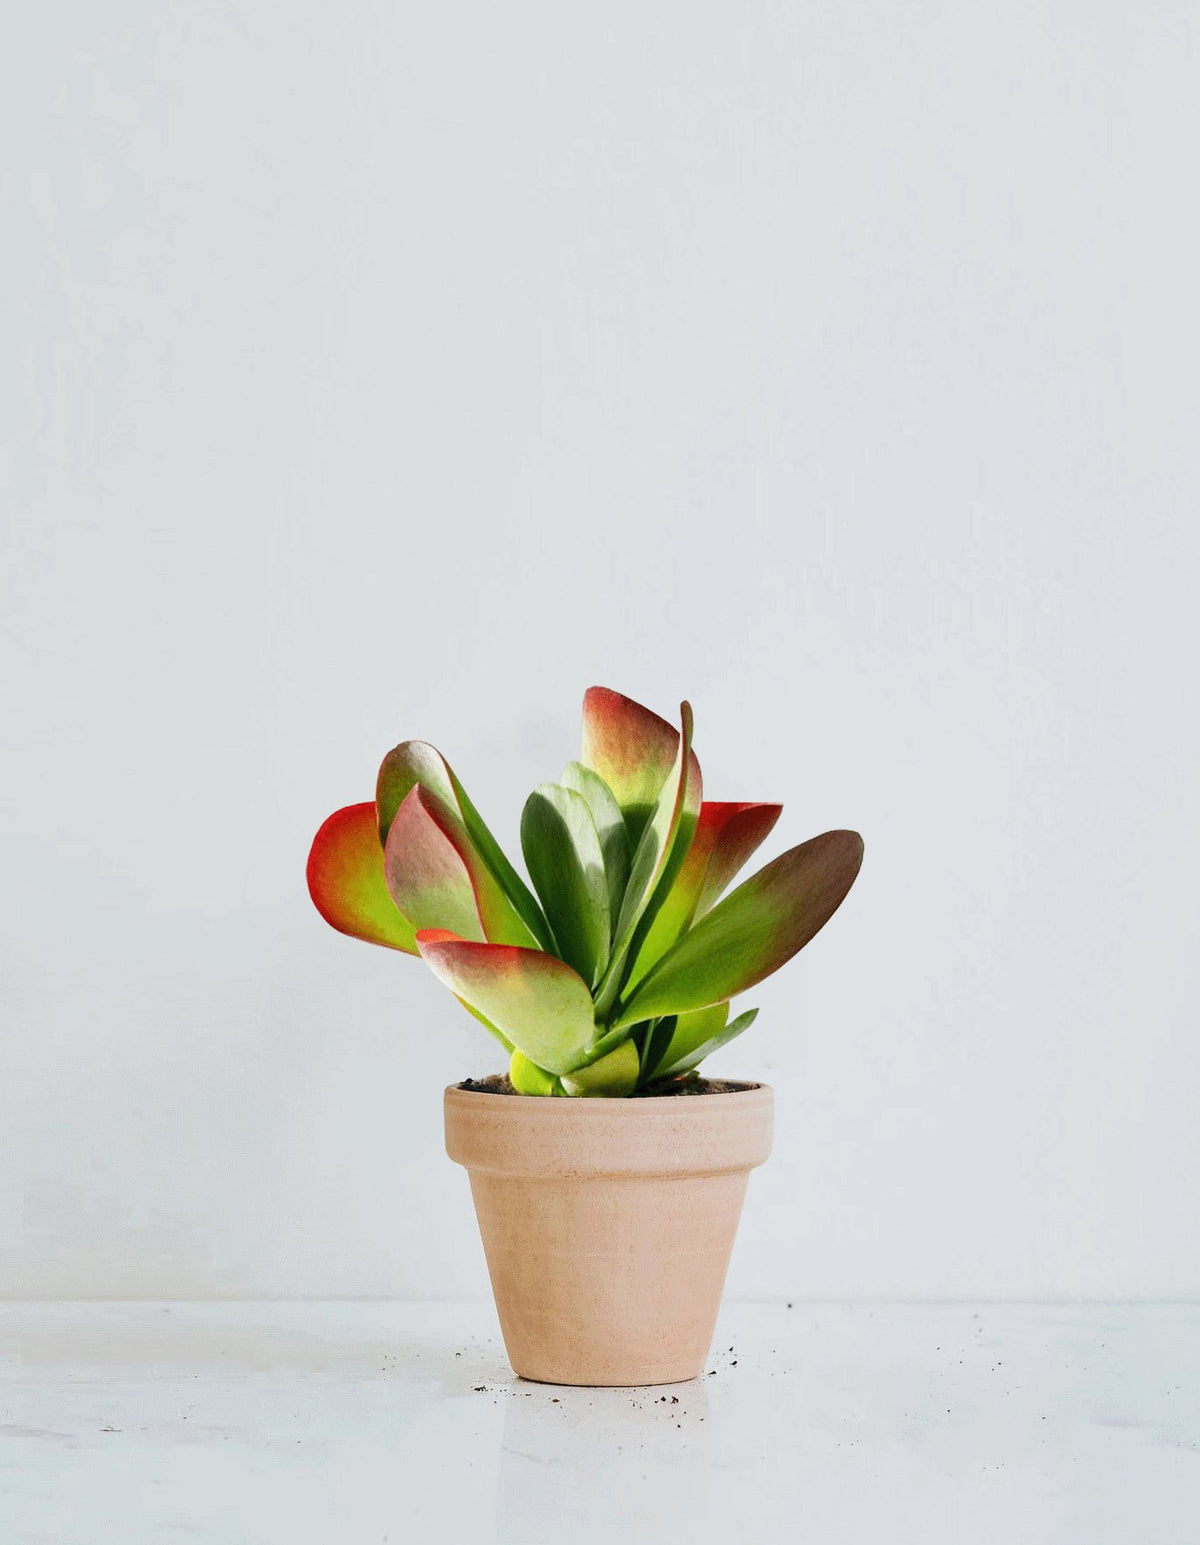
{"x":541,"y":1137}
{"x":750,"y":1094}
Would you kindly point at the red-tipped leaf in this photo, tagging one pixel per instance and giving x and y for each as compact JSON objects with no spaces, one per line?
{"x":509,"y":910}
{"x":535,"y":1000}
{"x":726,"y":835}
{"x":632,"y":749}
{"x":656,"y":859}
{"x":752,"y":932}
{"x":426,"y":872}
{"x":346,"y":881}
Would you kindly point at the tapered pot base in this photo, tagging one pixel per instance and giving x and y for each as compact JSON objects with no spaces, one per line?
{"x":608,"y":1224}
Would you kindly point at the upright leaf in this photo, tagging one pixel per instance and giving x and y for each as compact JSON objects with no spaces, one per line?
{"x":410,"y":763}
{"x":537,"y":1001}
{"x":663,"y":841}
{"x":632,"y":750}
{"x":515,"y":891}
{"x":726,"y":835}
{"x":510,"y":912}
{"x":346,"y":881}
{"x":565,"y":862}
{"x":752,"y":932}
{"x":426,"y":872}
{"x":610,"y":828}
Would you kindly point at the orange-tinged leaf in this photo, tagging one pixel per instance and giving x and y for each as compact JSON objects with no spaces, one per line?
{"x":509,"y":910}
{"x":633,"y":751}
{"x":535,"y":1000}
{"x":426,"y":873}
{"x":346,"y":881}
{"x":664,"y":841}
{"x":726,"y":835}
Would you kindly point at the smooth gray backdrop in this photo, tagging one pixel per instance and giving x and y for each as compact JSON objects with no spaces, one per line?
{"x":376,"y":371}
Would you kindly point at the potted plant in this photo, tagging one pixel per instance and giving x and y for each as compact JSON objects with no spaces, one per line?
{"x":607,"y":1194}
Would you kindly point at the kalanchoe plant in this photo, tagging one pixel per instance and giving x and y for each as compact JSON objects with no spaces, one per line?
{"x":614,"y":973}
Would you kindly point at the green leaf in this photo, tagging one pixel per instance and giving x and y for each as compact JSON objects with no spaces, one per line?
{"x":426,"y":873}
{"x":753,"y":931}
{"x":347,"y":884}
{"x":487,"y":1025}
{"x":658,"y":854}
{"x":610,"y":828}
{"x":731,"y":833}
{"x":565,"y":861}
{"x":633,"y":751}
{"x":655,"y":1036}
{"x":684,"y":1031}
{"x":410,"y":763}
{"x":613,"y":1076}
{"x":726,"y":835}
{"x":527,"y":1078}
{"x":690,"y":1044}
{"x":536,"y":1000}
{"x":510,"y":913}
{"x":516,"y":892}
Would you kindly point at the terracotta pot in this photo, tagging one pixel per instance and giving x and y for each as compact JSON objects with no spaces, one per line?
{"x":608,"y":1224}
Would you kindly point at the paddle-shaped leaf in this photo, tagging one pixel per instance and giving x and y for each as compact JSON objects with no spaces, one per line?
{"x":527,"y":1078}
{"x":566,"y":864}
{"x":614,"y":1075}
{"x":632,"y":749}
{"x":426,"y":872}
{"x":510,"y":913}
{"x":346,"y":881}
{"x":535,"y":1000}
{"x":726,"y":835}
{"x":610,"y":828}
{"x":752,"y":932}
{"x":410,"y":763}
{"x":731,"y":833}
{"x":656,"y":859}
{"x":487,"y":1025}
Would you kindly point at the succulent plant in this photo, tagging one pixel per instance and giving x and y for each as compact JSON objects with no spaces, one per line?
{"x":614,"y":973}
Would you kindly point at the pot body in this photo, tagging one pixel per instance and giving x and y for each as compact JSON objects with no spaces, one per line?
{"x":608,"y":1224}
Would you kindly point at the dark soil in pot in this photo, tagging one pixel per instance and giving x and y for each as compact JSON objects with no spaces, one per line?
{"x":498,"y":1083}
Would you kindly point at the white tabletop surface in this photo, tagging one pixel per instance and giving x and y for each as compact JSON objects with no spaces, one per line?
{"x":361,"y":1423}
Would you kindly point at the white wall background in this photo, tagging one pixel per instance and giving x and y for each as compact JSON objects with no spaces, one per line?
{"x":375,"y":371}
